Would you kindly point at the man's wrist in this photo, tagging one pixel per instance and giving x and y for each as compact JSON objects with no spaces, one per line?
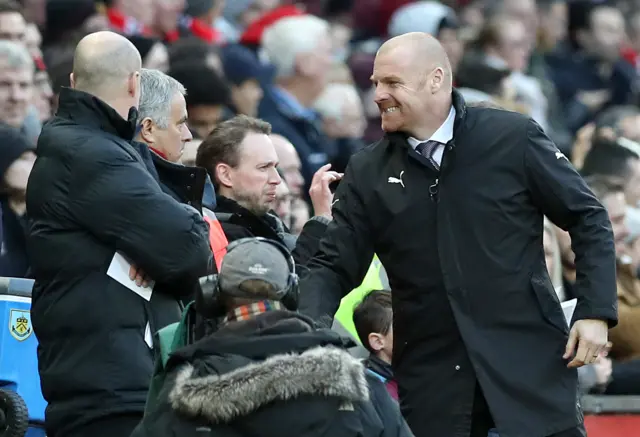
{"x":325,"y":219}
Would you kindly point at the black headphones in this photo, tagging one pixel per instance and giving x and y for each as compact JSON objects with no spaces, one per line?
{"x":210,"y":304}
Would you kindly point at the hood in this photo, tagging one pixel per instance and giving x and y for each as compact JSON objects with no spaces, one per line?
{"x":321,"y":371}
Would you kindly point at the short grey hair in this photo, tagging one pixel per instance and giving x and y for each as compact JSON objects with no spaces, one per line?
{"x":291,"y":36}
{"x":156,"y":92}
{"x":16,"y":55}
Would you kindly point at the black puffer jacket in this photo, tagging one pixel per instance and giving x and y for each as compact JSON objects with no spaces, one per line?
{"x":89,"y":196}
{"x":271,"y":376}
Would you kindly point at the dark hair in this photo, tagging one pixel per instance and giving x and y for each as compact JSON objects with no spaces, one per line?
{"x":190,"y":49}
{"x":603,"y":185}
{"x":204,"y":85}
{"x":580,"y":15}
{"x":223,"y":143}
{"x":373,"y":315}
{"x":607,"y":158}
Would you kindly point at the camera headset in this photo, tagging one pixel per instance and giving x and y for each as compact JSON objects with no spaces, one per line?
{"x":212,"y":302}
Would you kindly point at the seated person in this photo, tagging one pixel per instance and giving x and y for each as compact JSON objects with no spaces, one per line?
{"x":267,"y":370}
{"x":373,"y":319}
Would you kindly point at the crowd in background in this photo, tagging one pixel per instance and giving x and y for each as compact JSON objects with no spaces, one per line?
{"x":572,"y":65}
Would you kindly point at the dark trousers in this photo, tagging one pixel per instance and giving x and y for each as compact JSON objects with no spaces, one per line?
{"x":112,"y":426}
{"x":482,"y":422}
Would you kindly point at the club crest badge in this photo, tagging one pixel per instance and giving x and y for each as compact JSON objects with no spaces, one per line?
{"x":20,"y":324}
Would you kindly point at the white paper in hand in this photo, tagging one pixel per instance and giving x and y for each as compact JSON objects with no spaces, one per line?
{"x":119,"y":271}
{"x":568,"y":307}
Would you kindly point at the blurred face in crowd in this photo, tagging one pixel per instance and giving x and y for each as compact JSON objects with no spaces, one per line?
{"x":33,"y":40}
{"x":299,"y":215}
{"x":203,"y":118}
{"x":42,"y":95}
{"x":289,"y":164}
{"x":189,"y":153}
{"x":254,"y":182}
{"x":632,"y":184}
{"x":167,"y":13}
{"x":404,"y":93}
{"x":553,"y":25}
{"x":13,"y":27}
{"x":524,"y":11}
{"x":157,"y":58}
{"x":315,"y":65}
{"x":606,"y":34}
{"x":171,"y":140}
{"x":282,"y":206}
{"x":616,"y":205}
{"x":450,"y":40}
{"x":16,"y":88}
{"x":351,"y":123}
{"x":246,"y":97}
{"x":141,"y":10}
{"x":513,"y":45}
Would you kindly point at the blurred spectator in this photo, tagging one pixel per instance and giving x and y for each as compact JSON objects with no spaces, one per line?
{"x":237,"y":15}
{"x":153,"y":52}
{"x":198,"y":19}
{"x":16,"y":163}
{"x":299,"y":215}
{"x":42,"y":96}
{"x":13,"y":26}
{"x":241,"y":160}
{"x":252,"y":36}
{"x":208,"y":96}
{"x":70,"y":20}
{"x":33,"y":41}
{"x":300,"y":50}
{"x":189,"y":154}
{"x":552,"y":18}
{"x":282,"y":206}
{"x":245,"y":73}
{"x":131,"y":17}
{"x":504,"y":43}
{"x":434,"y":18}
{"x":16,"y":83}
{"x":190,"y":49}
{"x":167,"y":14}
{"x":289,"y":164}
{"x":589,"y":74}
{"x":343,"y":120}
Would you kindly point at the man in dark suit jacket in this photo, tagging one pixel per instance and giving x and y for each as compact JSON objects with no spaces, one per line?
{"x":452,"y":201}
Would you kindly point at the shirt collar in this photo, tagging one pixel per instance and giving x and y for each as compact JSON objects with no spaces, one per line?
{"x":443,"y":135}
{"x":290,"y":104}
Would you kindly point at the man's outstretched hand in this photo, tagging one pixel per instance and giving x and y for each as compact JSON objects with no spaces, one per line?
{"x":591,"y":338}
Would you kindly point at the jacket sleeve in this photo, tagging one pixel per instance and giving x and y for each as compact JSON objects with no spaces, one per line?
{"x":387,"y":409}
{"x":119,"y":202}
{"x":309,"y":239}
{"x":344,"y":253}
{"x":563,"y":196}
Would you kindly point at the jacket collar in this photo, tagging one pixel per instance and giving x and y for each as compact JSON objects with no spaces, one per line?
{"x":461,"y":112}
{"x":86,"y":109}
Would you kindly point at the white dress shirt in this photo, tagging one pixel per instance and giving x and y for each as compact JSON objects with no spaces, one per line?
{"x":443,"y":135}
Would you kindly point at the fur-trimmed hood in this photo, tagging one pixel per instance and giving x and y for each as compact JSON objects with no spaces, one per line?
{"x":321,"y":371}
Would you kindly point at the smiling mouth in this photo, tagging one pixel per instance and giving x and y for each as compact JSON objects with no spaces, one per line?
{"x":390,"y":110}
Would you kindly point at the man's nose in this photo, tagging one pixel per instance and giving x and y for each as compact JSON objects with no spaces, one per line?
{"x":275,"y":177}
{"x":380,"y":95}
{"x":186,"y":134}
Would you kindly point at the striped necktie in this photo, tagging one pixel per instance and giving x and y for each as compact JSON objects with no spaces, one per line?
{"x":427,"y":150}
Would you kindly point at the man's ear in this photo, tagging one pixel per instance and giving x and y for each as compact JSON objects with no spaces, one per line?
{"x":375,"y":341}
{"x":133,"y":84}
{"x":147,"y":130}
{"x":223,"y":174}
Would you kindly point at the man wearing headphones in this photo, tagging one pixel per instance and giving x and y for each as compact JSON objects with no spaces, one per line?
{"x":267,"y":370}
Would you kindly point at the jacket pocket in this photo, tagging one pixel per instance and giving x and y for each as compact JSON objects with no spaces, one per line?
{"x":548,"y":301}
